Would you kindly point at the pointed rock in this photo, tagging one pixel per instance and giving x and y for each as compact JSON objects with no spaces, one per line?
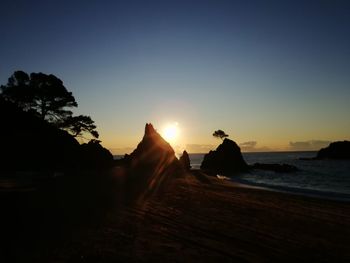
{"x":185,"y":161}
{"x":152,"y":150}
{"x":150,"y":166}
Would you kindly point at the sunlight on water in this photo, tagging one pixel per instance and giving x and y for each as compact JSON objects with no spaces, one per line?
{"x":326,"y":175}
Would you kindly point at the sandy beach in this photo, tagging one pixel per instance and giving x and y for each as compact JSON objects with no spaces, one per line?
{"x":190,"y":218}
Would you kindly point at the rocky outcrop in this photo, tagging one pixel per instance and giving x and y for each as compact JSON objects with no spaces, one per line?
{"x":225,"y":160}
{"x":29,"y":143}
{"x":336,"y":150}
{"x":152,"y":151}
{"x":95,"y":156}
{"x":185,"y":161}
{"x":150,"y":166}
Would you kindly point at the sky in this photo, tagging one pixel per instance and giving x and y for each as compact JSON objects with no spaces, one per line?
{"x":274,"y":75}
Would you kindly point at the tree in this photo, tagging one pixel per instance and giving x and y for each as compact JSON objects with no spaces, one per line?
{"x":77,"y":125}
{"x":45,"y":95}
{"x":17,"y":90}
{"x":220,"y":134}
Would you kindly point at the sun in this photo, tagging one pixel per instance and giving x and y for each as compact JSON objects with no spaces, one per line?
{"x":171,"y":132}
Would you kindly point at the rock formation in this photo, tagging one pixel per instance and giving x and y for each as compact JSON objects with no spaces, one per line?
{"x":225,"y":160}
{"x":185,"y":161}
{"x":336,"y":150}
{"x":95,"y":156}
{"x":153,"y":150}
{"x":150,"y":165}
{"x":29,"y":143}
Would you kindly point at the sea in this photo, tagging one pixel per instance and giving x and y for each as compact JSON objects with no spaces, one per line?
{"x":329,"y":179}
{"x":320,"y":178}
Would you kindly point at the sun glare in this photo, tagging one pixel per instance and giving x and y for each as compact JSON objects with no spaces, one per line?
{"x":171,"y":132}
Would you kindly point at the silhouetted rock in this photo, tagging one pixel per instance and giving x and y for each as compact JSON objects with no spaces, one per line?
{"x":150,"y":165}
{"x":94,"y":156}
{"x":278,"y":168}
{"x":30,"y":143}
{"x":152,"y":150}
{"x":185,"y":161}
{"x":225,"y":160}
{"x":336,"y":150}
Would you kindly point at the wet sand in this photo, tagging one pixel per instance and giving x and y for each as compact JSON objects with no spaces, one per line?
{"x":189,"y":218}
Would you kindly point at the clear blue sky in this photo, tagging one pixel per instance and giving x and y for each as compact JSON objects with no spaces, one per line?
{"x":276,"y":73}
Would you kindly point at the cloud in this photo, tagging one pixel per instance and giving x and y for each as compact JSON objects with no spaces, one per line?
{"x":248,"y":146}
{"x":199,"y":148}
{"x":310,"y":145}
